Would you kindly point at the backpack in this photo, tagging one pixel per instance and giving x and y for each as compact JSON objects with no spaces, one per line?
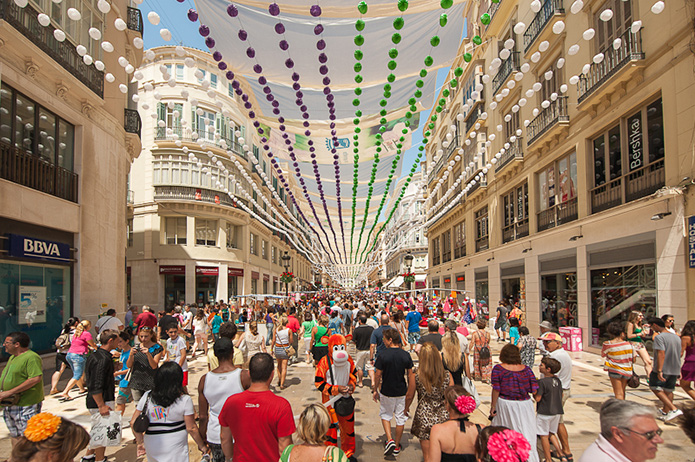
{"x":484,"y":355}
{"x":63,"y":341}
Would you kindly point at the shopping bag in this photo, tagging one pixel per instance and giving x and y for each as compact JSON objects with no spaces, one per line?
{"x":106,"y":430}
{"x":469,"y":386}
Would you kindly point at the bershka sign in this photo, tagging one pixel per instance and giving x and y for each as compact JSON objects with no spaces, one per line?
{"x":691,"y":242}
{"x":29,"y":247}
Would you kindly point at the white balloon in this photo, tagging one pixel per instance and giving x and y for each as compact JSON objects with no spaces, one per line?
{"x":522,"y":102}
{"x":560,"y":63}
{"x":563,"y":88}
{"x":180,"y":51}
{"x":496,"y":63}
{"x":485,"y":78}
{"x":138,"y":75}
{"x":44,"y":19}
{"x":135,"y":98}
{"x":537,"y":86}
{"x":81,"y":50}
{"x":573,"y":50}
{"x":636,"y":26}
{"x":543,"y":46}
{"x":617,"y":43}
{"x":103,"y":6}
{"x":586,"y":69}
{"x":535,"y":6}
{"x":553,"y":96}
{"x":148,"y":86}
{"x":74,"y":14}
{"x":574,"y":80}
{"x":589,"y":34}
{"x":189,"y":62}
{"x":606,"y":15}
{"x":536,"y":57}
{"x":525,"y":68}
{"x":519,"y":28}
{"x":87,"y":60}
{"x":529,"y":92}
{"x":518,"y":76}
{"x":577,"y":6}
{"x":95,"y":33}
{"x":149,"y":54}
{"x":548,"y":75}
{"x":493,"y":105}
{"x":153,"y":17}
{"x":59,"y":35}
{"x":545,"y":104}
{"x":509,"y":44}
{"x":129,"y":69}
{"x":511,"y":84}
{"x":658,"y":7}
{"x":504,"y":54}
{"x":109,"y":77}
{"x":146,"y":106}
{"x":535,"y":112}
{"x":120,"y":24}
{"x":558,"y":27}
{"x":184,"y":93}
{"x":107,"y":46}
{"x":165,"y":34}
{"x":598,"y":58}
{"x":138,"y":43}
{"x":198,"y":74}
{"x":123,"y":87}
{"x":99,"y":65}
{"x":515,"y":108}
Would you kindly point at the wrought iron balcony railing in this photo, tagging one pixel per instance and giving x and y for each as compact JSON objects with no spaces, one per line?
{"x":64,"y":53}
{"x":556,"y":112}
{"x":515,"y":151}
{"x":508,"y":66}
{"x":18,"y":166}
{"x":516,"y":230}
{"x":135,"y":20}
{"x":557,"y":215}
{"x":133,"y":123}
{"x":482,"y":243}
{"x":185,"y":134}
{"x":637,"y":184}
{"x":630,"y":49}
{"x":549,"y":9}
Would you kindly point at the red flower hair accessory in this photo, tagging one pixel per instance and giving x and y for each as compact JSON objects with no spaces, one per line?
{"x":465,"y":404}
{"x":508,"y":446}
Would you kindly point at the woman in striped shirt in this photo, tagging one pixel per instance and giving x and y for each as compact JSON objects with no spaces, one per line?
{"x":619,"y":354}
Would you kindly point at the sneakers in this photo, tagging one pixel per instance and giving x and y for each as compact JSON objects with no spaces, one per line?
{"x":397,"y":450}
{"x":672,"y":414}
{"x":389,"y":447}
{"x":661,"y":412}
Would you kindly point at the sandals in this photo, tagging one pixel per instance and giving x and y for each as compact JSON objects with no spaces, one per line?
{"x":141,"y":450}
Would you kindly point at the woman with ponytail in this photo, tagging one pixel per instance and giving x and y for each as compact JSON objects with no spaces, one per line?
{"x":80,"y":344}
{"x":454,"y":440}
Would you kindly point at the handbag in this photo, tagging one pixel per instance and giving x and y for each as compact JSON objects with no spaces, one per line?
{"x":343,"y":406}
{"x":290,"y":351}
{"x":63,"y":341}
{"x":142,"y":423}
{"x":469,"y":386}
{"x":634,"y":381}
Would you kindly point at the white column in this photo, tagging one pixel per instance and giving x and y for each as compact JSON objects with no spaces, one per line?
{"x":190,"y":277}
{"x":533,"y":293}
{"x":222,"y":283}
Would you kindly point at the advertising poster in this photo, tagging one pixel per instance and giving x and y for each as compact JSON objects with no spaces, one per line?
{"x":32,"y":304}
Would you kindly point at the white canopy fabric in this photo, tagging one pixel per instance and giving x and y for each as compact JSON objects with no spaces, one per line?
{"x":420,"y":277}
{"x":397,"y":282}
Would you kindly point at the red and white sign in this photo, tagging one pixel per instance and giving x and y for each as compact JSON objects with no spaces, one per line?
{"x":207,"y":270}
{"x":571,"y":338}
{"x":266,"y":277}
{"x":255,"y":275}
{"x":237,"y":272}
{"x":172,"y":269}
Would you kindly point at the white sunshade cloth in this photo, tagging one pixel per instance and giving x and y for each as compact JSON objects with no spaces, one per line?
{"x":420,"y":277}
{"x":388,"y":284}
{"x":397,"y":282}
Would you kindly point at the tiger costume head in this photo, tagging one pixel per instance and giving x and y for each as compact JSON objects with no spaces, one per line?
{"x":337,"y":347}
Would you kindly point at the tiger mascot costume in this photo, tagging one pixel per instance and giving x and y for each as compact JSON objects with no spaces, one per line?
{"x":343,"y":374}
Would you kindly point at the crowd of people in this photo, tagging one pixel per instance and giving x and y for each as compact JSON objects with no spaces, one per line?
{"x":409,"y":350}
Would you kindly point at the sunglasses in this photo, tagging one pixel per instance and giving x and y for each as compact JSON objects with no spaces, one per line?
{"x":649,"y":435}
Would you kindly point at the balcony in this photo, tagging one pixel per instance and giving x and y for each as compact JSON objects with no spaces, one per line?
{"x":474,"y":114}
{"x":549,"y":9}
{"x":637,"y":184}
{"x":482,"y":243}
{"x":630,"y":50}
{"x":435,"y":260}
{"x":453,"y":146}
{"x":515,"y":152}
{"x":187,"y":193}
{"x":25,"y":21}
{"x":185,"y":134}
{"x":492,"y":9}
{"x":446,"y":256}
{"x":509,"y":65}
{"x":557,"y":215}
{"x":133,"y":123}
{"x":135,"y":20}
{"x":516,"y":230}
{"x":548,"y":117}
{"x":34,"y":172}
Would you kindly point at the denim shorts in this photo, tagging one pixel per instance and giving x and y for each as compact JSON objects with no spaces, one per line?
{"x":76,"y":364}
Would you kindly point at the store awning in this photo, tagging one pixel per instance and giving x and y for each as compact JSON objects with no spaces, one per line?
{"x":397,"y":282}
{"x":388,"y":284}
{"x":420,"y":277}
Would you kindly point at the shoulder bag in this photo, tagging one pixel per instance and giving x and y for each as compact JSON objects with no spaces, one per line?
{"x":142,"y":423}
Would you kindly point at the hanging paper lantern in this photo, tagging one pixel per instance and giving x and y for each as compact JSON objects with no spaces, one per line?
{"x":44,"y":19}
{"x":543,"y":46}
{"x":617,"y":43}
{"x":74,"y":14}
{"x":193,"y":14}
{"x":606,"y":15}
{"x":505,"y":53}
{"x":477,"y":40}
{"x":558,"y":27}
{"x":658,"y":7}
{"x":560,"y":63}
{"x":443,"y":19}
{"x":81,"y":50}
{"x":574,"y":80}
{"x":138,"y":43}
{"x":87,"y":60}
{"x":635,"y":26}
{"x":362,"y":7}
{"x":535,"y":6}
{"x":589,"y":34}
{"x":104,"y":6}
{"x":573,"y":50}
{"x":99,"y":65}
{"x":21,"y":3}
{"x":519,"y":28}
{"x":94,"y":33}
{"x":485,"y":19}
{"x":109,"y":77}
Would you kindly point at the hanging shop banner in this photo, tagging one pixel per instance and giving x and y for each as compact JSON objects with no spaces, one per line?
{"x":236,"y":272}
{"x":207,"y":270}
{"x":691,"y":241}
{"x":172,"y":269}
{"x":32,"y":304}
{"x":255,"y":275}
{"x":30,"y":247}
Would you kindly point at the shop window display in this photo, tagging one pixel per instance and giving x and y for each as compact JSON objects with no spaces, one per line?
{"x":559,"y":299}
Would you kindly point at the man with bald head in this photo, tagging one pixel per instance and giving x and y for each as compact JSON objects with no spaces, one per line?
{"x":376,"y":342}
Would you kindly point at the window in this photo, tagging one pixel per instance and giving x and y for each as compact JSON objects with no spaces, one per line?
{"x":435,"y":251}
{"x":608,"y":31}
{"x":273,"y":255}
{"x":175,"y":230}
{"x":77,"y":31}
{"x":252,"y":244}
{"x":231,"y":232}
{"x":563,"y":173}
{"x":446,"y":246}
{"x":264,"y":254}
{"x":171,"y":114}
{"x":481,"y":229}
{"x":460,"y":240}
{"x":34,"y":129}
{"x":205,"y":124}
{"x":179,"y":72}
{"x":230,"y":90}
{"x":213,"y":80}
{"x":515,"y":213}
{"x":200,"y":80}
{"x":129,"y":230}
{"x":205,"y":232}
{"x":550,"y":86}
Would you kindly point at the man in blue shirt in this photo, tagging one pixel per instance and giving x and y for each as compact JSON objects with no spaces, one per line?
{"x":413,"y":319}
{"x":377,"y":339}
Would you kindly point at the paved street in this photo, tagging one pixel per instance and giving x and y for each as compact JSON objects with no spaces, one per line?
{"x":590,"y":387}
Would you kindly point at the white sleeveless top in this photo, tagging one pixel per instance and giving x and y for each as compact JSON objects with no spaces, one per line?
{"x":219,"y":387}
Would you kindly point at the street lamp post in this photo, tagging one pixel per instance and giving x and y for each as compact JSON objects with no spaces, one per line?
{"x":286,"y":264}
{"x":408,"y":264}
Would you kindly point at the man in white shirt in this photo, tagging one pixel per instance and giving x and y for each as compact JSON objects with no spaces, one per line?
{"x":176,"y":352}
{"x":553,"y":344}
{"x":629,"y":433}
{"x":108,"y":322}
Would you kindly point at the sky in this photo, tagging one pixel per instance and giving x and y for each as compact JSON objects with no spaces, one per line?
{"x":184,"y":32}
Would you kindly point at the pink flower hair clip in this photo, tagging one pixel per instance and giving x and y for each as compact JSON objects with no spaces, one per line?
{"x":465,"y":404}
{"x":508,"y":446}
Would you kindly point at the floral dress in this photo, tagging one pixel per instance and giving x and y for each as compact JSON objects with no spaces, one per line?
{"x":481,"y":339}
{"x":527,"y":347}
{"x":431,"y":408}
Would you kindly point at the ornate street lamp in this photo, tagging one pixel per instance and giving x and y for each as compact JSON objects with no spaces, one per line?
{"x":286,"y":263}
{"x":408,"y":264}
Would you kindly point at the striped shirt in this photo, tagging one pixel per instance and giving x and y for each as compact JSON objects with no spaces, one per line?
{"x":619,"y":357}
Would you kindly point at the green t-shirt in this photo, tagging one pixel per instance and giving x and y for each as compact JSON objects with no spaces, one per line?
{"x":19,"y":369}
{"x":308,"y":326}
{"x":333,"y":454}
{"x":320,"y":332}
